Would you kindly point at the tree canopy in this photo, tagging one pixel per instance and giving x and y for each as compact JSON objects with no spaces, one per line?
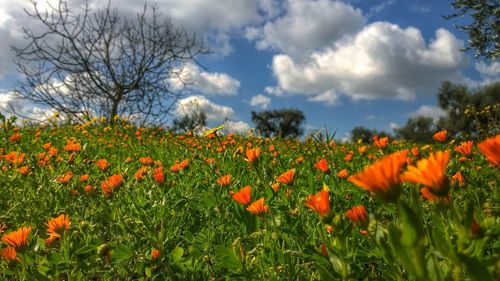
{"x":484,"y":30}
{"x":280,"y":122}
{"x":99,"y":63}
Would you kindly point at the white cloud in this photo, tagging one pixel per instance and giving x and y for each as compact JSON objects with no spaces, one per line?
{"x":306,"y":26}
{"x":260,"y":100}
{"x":433,"y":112}
{"x":328,"y":98}
{"x":379,"y":8}
{"x":274,"y":91}
{"x":237,"y":127}
{"x":9,"y":106}
{"x":195,"y":103}
{"x":489,"y":71}
{"x":381,"y":61}
{"x":393,"y":126}
{"x":209,"y":83}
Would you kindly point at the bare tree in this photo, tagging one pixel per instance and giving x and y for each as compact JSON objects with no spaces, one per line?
{"x":98,"y":63}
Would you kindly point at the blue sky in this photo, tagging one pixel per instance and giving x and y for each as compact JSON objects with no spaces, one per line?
{"x":343,"y":63}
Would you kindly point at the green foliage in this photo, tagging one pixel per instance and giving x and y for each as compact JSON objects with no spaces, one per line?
{"x":203,"y":234}
{"x":365,"y":134}
{"x":484,"y":30}
{"x":279,"y":122}
{"x":470,"y":115}
{"x":419,"y":129}
{"x":190,"y":122}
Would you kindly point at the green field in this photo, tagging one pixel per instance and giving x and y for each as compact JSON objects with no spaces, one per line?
{"x":146,"y":204}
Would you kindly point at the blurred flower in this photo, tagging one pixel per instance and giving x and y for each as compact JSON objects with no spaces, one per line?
{"x":112,"y":182}
{"x":348,"y":157}
{"x":358,"y":216}
{"x":102,"y":164}
{"x":15,"y":137}
{"x":258,"y":207}
{"x":18,"y":238}
{"x":343,"y":174}
{"x":286,"y":177}
{"x":491,"y":149}
{"x":320,"y":202}
{"x":213,"y":130}
{"x":382,"y":177}
{"x":299,"y":160}
{"x":465,"y":148}
{"x":430,"y":172}
{"x":88,"y":188}
{"x":146,"y":160}
{"x":24,"y":170}
{"x":140,"y":174}
{"x":440,"y":136}
{"x":155,"y":254}
{"x":415,"y":152}
{"x":84,"y":177}
{"x":322,"y":165}
{"x":381,"y":143}
{"x":275,"y":186}
{"x":72,"y":145}
{"x":179,"y":165}
{"x":158,"y":175}
{"x":457,"y":177}
{"x":224,"y":180}
{"x":9,"y":254}
{"x":65,"y":178}
{"x":244,"y":195}
{"x":252,"y":154}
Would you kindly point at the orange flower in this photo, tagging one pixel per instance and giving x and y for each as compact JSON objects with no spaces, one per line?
{"x":140,"y":174}
{"x":24,"y":170}
{"x":415,"y":152}
{"x":84,"y":177}
{"x":382,"y":177}
{"x":244,"y":195}
{"x":9,"y":254}
{"x":71,"y":145}
{"x":66,"y":177}
{"x":146,"y":160}
{"x":348,"y":157}
{"x":286,"y":177}
{"x":457,"y":177}
{"x":88,"y":188}
{"x":258,"y":207}
{"x":179,"y":165}
{"x":275,"y":186}
{"x":440,"y":136}
{"x":322,"y":165}
{"x":57,"y":226}
{"x":343,"y":174}
{"x":155,"y":254}
{"x":320,"y":202}
{"x":381,"y":143}
{"x":465,"y":148}
{"x":358,"y":215}
{"x":252,"y":154}
{"x":18,"y":238}
{"x":158,"y":175}
{"x":112,"y":182}
{"x":15,"y":137}
{"x":491,"y":149}
{"x":102,"y":164}
{"x":431,"y":173}
{"x":299,"y":160}
{"x":224,"y":180}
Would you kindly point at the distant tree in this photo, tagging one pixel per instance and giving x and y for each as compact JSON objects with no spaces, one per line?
{"x":190,"y":122}
{"x":366,"y":135}
{"x":282,"y":123}
{"x":98,"y":63}
{"x":484,"y":30}
{"x":470,"y":115}
{"x":419,"y":129}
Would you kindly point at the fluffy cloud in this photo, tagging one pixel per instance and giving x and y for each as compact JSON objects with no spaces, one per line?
{"x":433,"y":112}
{"x":307,"y":26}
{"x":489,"y":72}
{"x":213,"y":111}
{"x":209,"y":83}
{"x":261,"y":101}
{"x":22,"y":109}
{"x":381,"y":61}
{"x":237,"y":127}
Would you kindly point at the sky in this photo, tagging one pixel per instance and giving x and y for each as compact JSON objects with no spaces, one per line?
{"x":343,"y":63}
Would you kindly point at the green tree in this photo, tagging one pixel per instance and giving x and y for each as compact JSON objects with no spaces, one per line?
{"x":470,"y":114}
{"x":365,"y":134}
{"x":280,"y":122}
{"x":419,"y":129}
{"x":484,"y":30}
{"x":190,"y":122}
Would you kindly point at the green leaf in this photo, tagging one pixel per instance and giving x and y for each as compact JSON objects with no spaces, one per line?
{"x":411,"y":230}
{"x":85,"y":250}
{"x":176,"y":254}
{"x":121,"y":253}
{"x":226,"y":258}
{"x":324,"y":274}
{"x":477,"y":271}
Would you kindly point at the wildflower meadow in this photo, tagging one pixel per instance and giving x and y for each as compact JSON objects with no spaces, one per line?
{"x":96,"y":201}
